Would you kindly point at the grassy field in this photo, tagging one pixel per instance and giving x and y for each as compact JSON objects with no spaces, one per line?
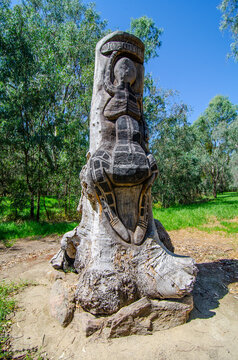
{"x":51,"y":209}
{"x":22,"y":227}
{"x":220,"y":214}
{"x":14,"y":230}
{"x":212,"y":215}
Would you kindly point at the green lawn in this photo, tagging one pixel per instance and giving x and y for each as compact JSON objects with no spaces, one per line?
{"x":15,"y":230}
{"x":53,"y":206}
{"x":218,"y":211}
{"x":212,"y":215}
{"x":22,"y":227}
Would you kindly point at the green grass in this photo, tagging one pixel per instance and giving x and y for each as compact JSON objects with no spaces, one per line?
{"x":225,"y":226}
{"x":15,"y":230}
{"x":54,"y":206}
{"x":7,"y":305}
{"x":198,"y":215}
{"x":225,"y":207}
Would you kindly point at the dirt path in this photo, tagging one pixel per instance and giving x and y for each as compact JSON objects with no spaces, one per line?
{"x":211,"y":333}
{"x":205,"y":247}
{"x":18,"y":258}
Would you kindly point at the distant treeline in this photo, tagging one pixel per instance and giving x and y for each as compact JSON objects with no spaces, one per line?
{"x":46,"y":77}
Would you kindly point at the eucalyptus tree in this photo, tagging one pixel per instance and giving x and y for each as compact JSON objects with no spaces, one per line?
{"x":174,"y":146}
{"x":215,"y":130}
{"x":229,"y":10}
{"x":46,"y":73}
{"x":146,"y":29}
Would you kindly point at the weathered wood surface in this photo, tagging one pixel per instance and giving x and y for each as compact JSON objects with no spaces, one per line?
{"x":121,"y":254}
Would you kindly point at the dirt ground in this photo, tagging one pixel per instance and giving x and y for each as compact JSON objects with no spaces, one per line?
{"x":211,"y":332}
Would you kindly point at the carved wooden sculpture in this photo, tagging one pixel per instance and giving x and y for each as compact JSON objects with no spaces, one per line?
{"x":118,"y":249}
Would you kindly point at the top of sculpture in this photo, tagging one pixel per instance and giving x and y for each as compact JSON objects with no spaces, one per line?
{"x":119,"y":40}
{"x":118,"y":86}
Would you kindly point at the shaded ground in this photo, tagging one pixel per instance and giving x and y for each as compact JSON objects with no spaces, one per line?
{"x":211,"y":332}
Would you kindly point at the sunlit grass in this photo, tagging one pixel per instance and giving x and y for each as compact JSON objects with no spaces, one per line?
{"x":21,"y":227}
{"x":15,"y":230}
{"x":49,"y":207}
{"x":223,"y":226}
{"x":218,"y":211}
{"x":225,"y":207}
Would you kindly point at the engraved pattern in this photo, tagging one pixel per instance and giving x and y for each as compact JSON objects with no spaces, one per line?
{"x":128,"y":163}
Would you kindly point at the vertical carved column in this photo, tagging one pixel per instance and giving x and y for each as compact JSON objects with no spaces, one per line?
{"x":117,"y":249}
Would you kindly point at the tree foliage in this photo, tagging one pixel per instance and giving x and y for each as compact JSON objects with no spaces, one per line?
{"x":229,"y":9}
{"x":174,"y":146}
{"x":215,"y":130}
{"x":146,"y":29}
{"x":47,"y":62}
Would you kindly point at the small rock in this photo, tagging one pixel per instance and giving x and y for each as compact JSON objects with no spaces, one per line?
{"x":53,"y":275}
{"x":145,"y":316}
{"x":90,"y":324}
{"x":57,"y":260}
{"x":62,"y":304}
{"x":131,"y":319}
{"x":167,"y":314}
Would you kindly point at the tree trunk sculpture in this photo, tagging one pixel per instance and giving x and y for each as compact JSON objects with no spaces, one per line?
{"x":117,"y":249}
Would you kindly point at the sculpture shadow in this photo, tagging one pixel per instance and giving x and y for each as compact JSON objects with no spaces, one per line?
{"x":211,"y":286}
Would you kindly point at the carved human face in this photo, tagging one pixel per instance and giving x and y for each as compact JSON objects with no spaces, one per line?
{"x":125,"y":71}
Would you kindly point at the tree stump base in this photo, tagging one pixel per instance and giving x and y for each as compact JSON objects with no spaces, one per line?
{"x":142,"y":317}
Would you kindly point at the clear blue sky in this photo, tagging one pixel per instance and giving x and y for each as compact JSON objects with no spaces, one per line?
{"x":192,"y":58}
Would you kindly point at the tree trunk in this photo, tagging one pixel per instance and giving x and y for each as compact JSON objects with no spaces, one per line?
{"x":38,"y":207}
{"x":69,"y":203}
{"x":215,"y":174}
{"x":32,"y":207}
{"x":46,"y":211}
{"x":214,"y":189}
{"x":66,"y":199}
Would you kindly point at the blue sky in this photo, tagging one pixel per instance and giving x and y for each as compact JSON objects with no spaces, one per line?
{"x":192,"y":58}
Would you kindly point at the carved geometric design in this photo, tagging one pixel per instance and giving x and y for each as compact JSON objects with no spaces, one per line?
{"x":127,"y":163}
